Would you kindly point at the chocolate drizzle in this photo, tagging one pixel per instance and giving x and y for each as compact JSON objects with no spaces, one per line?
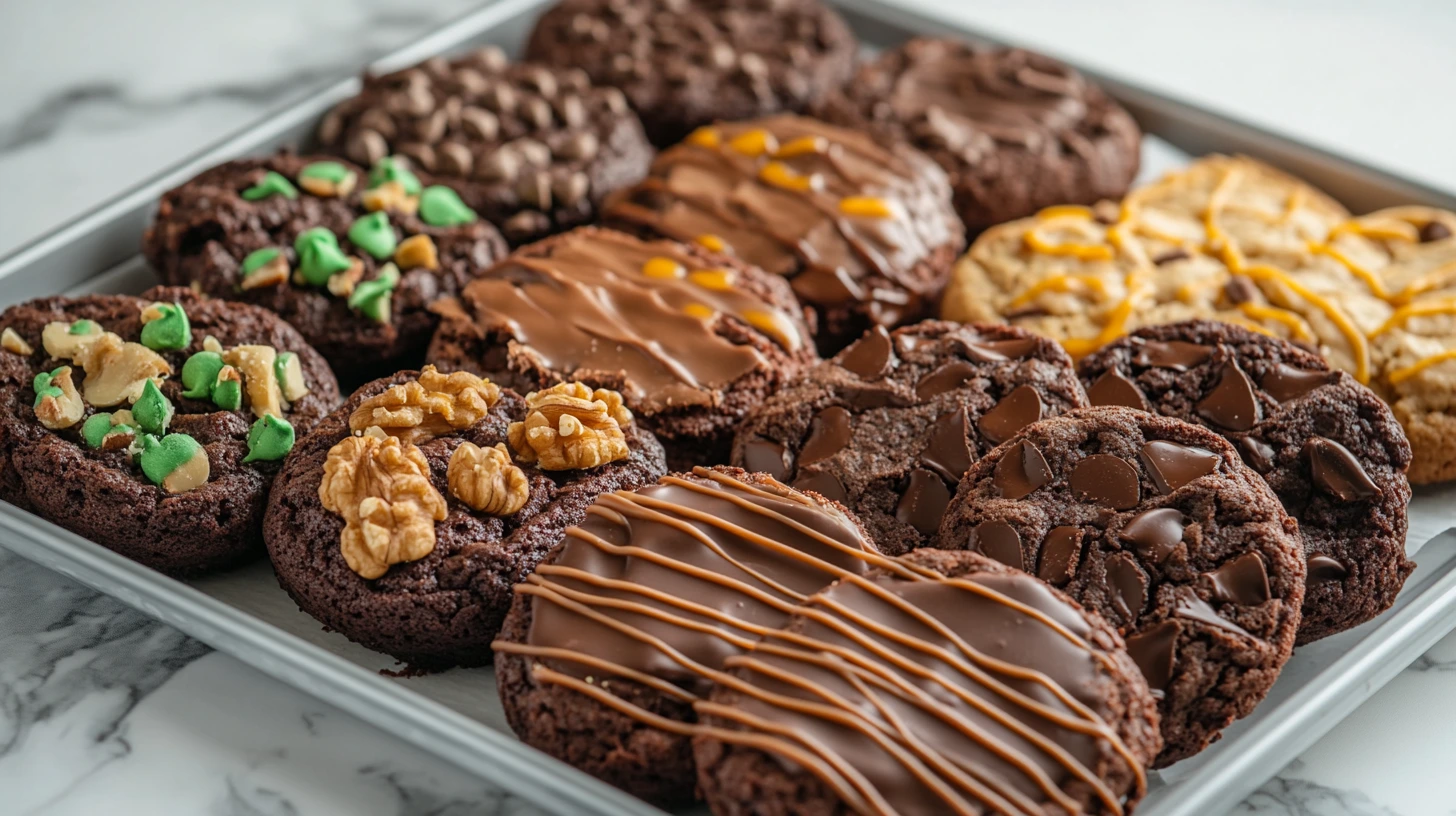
{"x":1112,"y":388}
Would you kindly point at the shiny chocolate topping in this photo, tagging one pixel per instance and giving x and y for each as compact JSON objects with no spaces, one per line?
{"x":1173,"y":465}
{"x":1231,"y":404}
{"x":1112,"y":388}
{"x":1015,"y":411}
{"x":1285,"y":382}
{"x":1337,"y":472}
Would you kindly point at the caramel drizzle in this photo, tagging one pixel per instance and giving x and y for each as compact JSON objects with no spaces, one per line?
{"x":879,"y":668}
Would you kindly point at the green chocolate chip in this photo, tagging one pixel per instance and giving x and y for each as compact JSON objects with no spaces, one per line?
{"x":84,"y":327}
{"x":442,"y":207}
{"x":227,"y":392}
{"x":43,"y":387}
{"x":170,"y":331}
{"x":153,"y":411}
{"x":258,"y":258}
{"x":371,"y":298}
{"x":373,"y":234}
{"x":392,"y":168}
{"x":319,"y":256}
{"x":326,"y":170}
{"x":95,"y":430}
{"x":272,"y":184}
{"x":160,"y":457}
{"x":269,"y":440}
{"x":199,"y":374}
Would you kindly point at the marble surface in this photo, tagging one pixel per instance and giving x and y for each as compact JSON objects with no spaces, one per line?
{"x":104,"y":711}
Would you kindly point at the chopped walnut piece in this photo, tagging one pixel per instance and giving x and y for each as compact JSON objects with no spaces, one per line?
{"x":427,"y":407}
{"x":381,"y":486}
{"x":417,"y":251}
{"x":570,"y":427}
{"x":115,"y":370}
{"x":341,"y":284}
{"x":63,"y":409}
{"x":259,"y":382}
{"x":390,"y":195}
{"x":487,"y":480}
{"x":10,"y":340}
{"x":63,"y":344}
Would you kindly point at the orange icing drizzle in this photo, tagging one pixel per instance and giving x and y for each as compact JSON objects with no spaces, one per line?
{"x":1298,"y":328}
{"x":1424,"y":308}
{"x":1400,"y":375}
{"x":1359,"y":348}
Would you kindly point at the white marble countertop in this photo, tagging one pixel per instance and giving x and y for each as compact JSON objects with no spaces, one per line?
{"x":105,"y":711}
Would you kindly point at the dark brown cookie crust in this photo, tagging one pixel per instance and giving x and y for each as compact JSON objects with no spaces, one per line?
{"x":204,"y":229}
{"x":104,"y":497}
{"x":1003,"y":163}
{"x":892,"y":428}
{"x":685,"y":63}
{"x":737,"y":779}
{"x":444,"y":609}
{"x":1366,"y":536}
{"x":1217,"y":674}
{"x":479,"y":124}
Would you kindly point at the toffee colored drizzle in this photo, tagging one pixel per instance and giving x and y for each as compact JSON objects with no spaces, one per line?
{"x":671,"y":586}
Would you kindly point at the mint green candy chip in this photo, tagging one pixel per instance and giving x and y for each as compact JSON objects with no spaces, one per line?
{"x":153,"y":411}
{"x":269,"y":440}
{"x":271,"y":185}
{"x":373,"y":234}
{"x":392,"y":168}
{"x":441,"y":207}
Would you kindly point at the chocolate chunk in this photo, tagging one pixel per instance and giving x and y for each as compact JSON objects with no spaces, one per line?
{"x":1176,"y":254}
{"x":1059,"y":555}
{"x":1154,"y":651}
{"x":1434,"y":231}
{"x":1240,"y":289}
{"x":763,"y":455}
{"x":824,"y":483}
{"x":1285,"y":382}
{"x":997,"y":540}
{"x":1336,"y":471}
{"x":1231,"y":404}
{"x":1015,"y":411}
{"x":1127,"y":585}
{"x":1174,"y":354}
{"x":1106,"y":480}
{"x":1173,"y":465}
{"x":1155,"y":533}
{"x":948,"y":448}
{"x":1195,"y":608}
{"x":1255,"y":454}
{"x":869,"y":357}
{"x":947,"y":377}
{"x":828,"y":434}
{"x":996,"y":351}
{"x":1112,"y":388}
{"x":1022,"y":470}
{"x":924,"y":502}
{"x":1323,"y":568}
{"x":1243,"y":580}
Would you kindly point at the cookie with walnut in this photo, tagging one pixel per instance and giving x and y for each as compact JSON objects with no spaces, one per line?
{"x":1159,"y":526}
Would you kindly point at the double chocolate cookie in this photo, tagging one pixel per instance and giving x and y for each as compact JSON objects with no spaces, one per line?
{"x":864,"y":232}
{"x":404,"y":519}
{"x":889,"y":426}
{"x":1328,"y":446}
{"x":154,"y":425}
{"x":685,"y":63}
{"x":1016,"y":131}
{"x":532,"y":148}
{"x":1159,"y":526}
{"x":691,"y":339}
{"x":990,"y":692}
{"x":351,"y":259}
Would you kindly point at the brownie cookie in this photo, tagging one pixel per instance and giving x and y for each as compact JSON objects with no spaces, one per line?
{"x":686,"y":63}
{"x":405,"y":518}
{"x":1016,"y":131}
{"x":1159,"y":526}
{"x":154,"y":425}
{"x":1328,"y":446}
{"x":866,"y":703}
{"x":611,"y":643}
{"x":531,"y":148}
{"x":890,"y":425}
{"x":864,"y":233}
{"x":693,"y":340}
{"x":351,"y":261}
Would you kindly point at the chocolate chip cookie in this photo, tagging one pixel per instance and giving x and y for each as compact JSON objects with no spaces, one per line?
{"x":154,"y":425}
{"x":889,"y":426}
{"x":1017,"y":131}
{"x":1327,"y":445}
{"x":351,"y":259}
{"x":865,"y":702}
{"x":403,"y":521}
{"x":686,"y":63}
{"x":693,"y":340}
{"x":532,"y":148}
{"x":865,"y":232}
{"x":1157,"y":525}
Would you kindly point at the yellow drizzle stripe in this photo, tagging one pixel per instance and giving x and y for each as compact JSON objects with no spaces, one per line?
{"x":1083,"y":252}
{"x":1065,"y":211}
{"x":1400,"y":375}
{"x":1390,"y":230}
{"x":1359,"y":349}
{"x":1251,"y":326}
{"x":1298,"y":329}
{"x":705,"y":137}
{"x":1116,"y":324}
{"x":1425,"y":307}
{"x":1377,"y":288}
{"x":802,"y":146}
{"x":1434,"y":279}
{"x":1059,"y":283}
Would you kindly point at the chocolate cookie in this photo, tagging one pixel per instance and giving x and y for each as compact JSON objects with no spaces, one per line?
{"x":890,"y":425}
{"x":685,"y":63}
{"x":611,"y":643}
{"x":693,"y":340}
{"x":352,"y":261}
{"x":1159,"y":526}
{"x":865,"y":233}
{"x":154,"y":425}
{"x":1017,"y":131}
{"x":405,"y":518}
{"x":531,"y":148}
{"x":866,"y":703}
{"x":1328,"y":446}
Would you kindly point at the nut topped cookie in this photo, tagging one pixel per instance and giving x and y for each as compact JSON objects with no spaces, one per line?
{"x":1016,"y":131}
{"x":889,"y":426}
{"x":403,"y":521}
{"x":865,"y":233}
{"x":691,"y":339}
{"x":1327,"y":445}
{"x":686,"y":63}
{"x":532,"y":148}
{"x":1157,"y":525}
{"x":154,"y":425}
{"x":351,"y":258}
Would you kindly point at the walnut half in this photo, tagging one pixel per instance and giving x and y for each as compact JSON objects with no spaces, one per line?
{"x":487,"y":480}
{"x":431,"y":406}
{"x":569,"y":426}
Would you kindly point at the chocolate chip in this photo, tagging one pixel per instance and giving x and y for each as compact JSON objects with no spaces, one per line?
{"x":722,"y":56}
{"x":575,"y":79}
{"x":1323,"y":569}
{"x":868,"y":357}
{"x":611,"y":99}
{"x":1060,"y":553}
{"x":498,"y":165}
{"x":454,"y":159}
{"x":1022,"y":469}
{"x":1154,"y":533}
{"x":752,"y":65}
{"x":997,"y":351}
{"x":1336,"y":471}
{"x":331,"y":128}
{"x":472,"y":82}
{"x":924,"y":502}
{"x":1174,"y":354}
{"x":948,"y":449}
{"x":366,"y":147}
{"x":1112,"y":388}
{"x":828,"y":434}
{"x":1126,"y":584}
{"x":1243,"y":580}
{"x":1154,"y":651}
{"x":998,"y":541}
{"x":579,"y":147}
{"x":1231,"y":404}
{"x":571,"y":189}
{"x":1176,"y":254}
{"x":416,"y":102}
{"x":1173,"y":465}
{"x":947,"y":377}
{"x":1240,"y":289}
{"x":1285,"y":382}
{"x":501,"y":98}
{"x":1255,"y":454}
{"x":525,"y":224}
{"x":534,"y":189}
{"x":1106,"y":480}
{"x":1015,"y":411}
{"x":421,"y":155}
{"x":479,"y":123}
{"x":540,"y":80}
{"x":763,"y":455}
{"x":571,"y":110}
{"x":532,"y":152}
{"x":490,"y":57}
{"x":377,"y":120}
{"x":1434,"y":231}
{"x":537,"y":112}
{"x":825,"y":484}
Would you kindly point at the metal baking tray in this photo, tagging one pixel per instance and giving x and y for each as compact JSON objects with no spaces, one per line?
{"x":456,"y":714}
